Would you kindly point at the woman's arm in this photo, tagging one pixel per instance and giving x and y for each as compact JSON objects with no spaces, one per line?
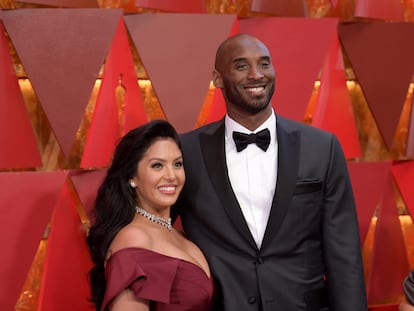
{"x":126,"y":301}
{"x":405,"y":306}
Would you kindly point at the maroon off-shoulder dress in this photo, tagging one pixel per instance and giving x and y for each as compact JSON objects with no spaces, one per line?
{"x":171,"y":284}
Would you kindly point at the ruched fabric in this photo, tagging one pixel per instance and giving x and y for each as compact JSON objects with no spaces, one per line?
{"x":171,"y":284}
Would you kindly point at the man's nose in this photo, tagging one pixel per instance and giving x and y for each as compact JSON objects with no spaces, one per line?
{"x":255,"y":73}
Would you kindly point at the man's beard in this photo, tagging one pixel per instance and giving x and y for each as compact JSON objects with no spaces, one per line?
{"x":249,"y":105}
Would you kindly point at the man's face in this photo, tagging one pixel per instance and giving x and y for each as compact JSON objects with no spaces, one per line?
{"x":246,"y":75}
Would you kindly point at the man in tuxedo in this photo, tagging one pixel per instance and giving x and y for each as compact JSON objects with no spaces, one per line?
{"x":269,"y":200}
{"x":407,"y":304}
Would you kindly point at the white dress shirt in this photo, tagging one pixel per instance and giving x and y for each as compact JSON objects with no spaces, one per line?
{"x":253,"y":175}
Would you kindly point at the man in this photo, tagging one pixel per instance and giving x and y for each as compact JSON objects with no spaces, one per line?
{"x":408,"y":287}
{"x":277,"y":222}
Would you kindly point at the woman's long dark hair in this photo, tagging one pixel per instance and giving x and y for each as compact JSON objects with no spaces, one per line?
{"x":116,"y":199}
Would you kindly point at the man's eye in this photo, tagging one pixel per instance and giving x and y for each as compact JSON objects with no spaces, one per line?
{"x":241,"y":67}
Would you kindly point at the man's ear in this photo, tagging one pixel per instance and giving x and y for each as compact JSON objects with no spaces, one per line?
{"x":217,"y":80}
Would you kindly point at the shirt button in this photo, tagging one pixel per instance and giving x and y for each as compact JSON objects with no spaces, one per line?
{"x":252,"y":300}
{"x":260,"y":260}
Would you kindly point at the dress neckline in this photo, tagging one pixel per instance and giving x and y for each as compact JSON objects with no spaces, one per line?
{"x":163,"y":255}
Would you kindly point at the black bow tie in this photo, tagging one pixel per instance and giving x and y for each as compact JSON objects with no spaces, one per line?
{"x":261,"y":139}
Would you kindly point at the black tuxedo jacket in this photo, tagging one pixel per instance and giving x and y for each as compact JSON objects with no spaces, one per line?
{"x":310,"y":258}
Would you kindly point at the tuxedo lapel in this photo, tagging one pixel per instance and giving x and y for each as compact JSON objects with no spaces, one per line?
{"x":213,"y":149}
{"x":288,"y":163}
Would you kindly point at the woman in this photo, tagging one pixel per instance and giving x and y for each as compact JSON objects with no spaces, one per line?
{"x":141,"y":261}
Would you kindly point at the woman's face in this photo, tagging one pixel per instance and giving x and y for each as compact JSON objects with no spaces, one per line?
{"x":160,"y":175}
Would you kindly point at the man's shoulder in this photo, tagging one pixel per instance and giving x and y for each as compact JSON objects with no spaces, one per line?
{"x":294,"y":126}
{"x":206,"y":128}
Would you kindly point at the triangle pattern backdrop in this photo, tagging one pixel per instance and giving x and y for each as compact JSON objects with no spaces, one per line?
{"x":86,"y":184}
{"x":66,"y":245}
{"x":15,"y":124}
{"x":217,"y":105}
{"x":382,"y":59}
{"x":112,"y":119}
{"x":61,"y":60}
{"x":368,"y":183}
{"x":334,"y":112}
{"x":62,"y":63}
{"x":410,"y":137}
{"x":281,"y":7}
{"x":179,"y":59}
{"x":181,"y":6}
{"x":26,"y":204}
{"x":380,"y":9}
{"x":287,"y":39}
{"x":67,"y":3}
{"x":403,"y":173}
{"x":389,"y":264}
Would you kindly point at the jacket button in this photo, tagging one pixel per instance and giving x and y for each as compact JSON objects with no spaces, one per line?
{"x":252,"y":300}
{"x":260,"y":260}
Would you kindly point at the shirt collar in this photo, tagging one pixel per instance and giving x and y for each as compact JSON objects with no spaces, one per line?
{"x":270,"y":123}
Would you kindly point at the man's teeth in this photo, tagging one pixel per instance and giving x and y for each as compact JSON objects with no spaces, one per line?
{"x":255,"y":89}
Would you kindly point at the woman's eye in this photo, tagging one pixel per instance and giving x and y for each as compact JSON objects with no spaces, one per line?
{"x":179,"y":164}
{"x":156,"y":165}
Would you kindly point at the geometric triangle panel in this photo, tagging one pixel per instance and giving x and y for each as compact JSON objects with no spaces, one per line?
{"x":180,"y":6}
{"x":119,"y":105}
{"x":15,"y":123}
{"x":62,"y":52}
{"x":368,"y":182}
{"x":66,"y":3}
{"x":179,"y":58}
{"x":389,"y":263}
{"x":381,"y":55}
{"x":27,"y":200}
{"x":292,"y":8}
{"x":86,"y":185}
{"x":410,"y":134}
{"x":333,"y":111}
{"x":390,"y":10}
{"x":403,"y":173}
{"x":218,"y":107}
{"x":296,"y":70}
{"x":65,"y":284}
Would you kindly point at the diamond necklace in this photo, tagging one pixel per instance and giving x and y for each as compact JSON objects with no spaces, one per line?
{"x":158,"y":220}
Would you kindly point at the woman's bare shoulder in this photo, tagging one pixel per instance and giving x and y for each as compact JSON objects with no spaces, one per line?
{"x":131,"y":236}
